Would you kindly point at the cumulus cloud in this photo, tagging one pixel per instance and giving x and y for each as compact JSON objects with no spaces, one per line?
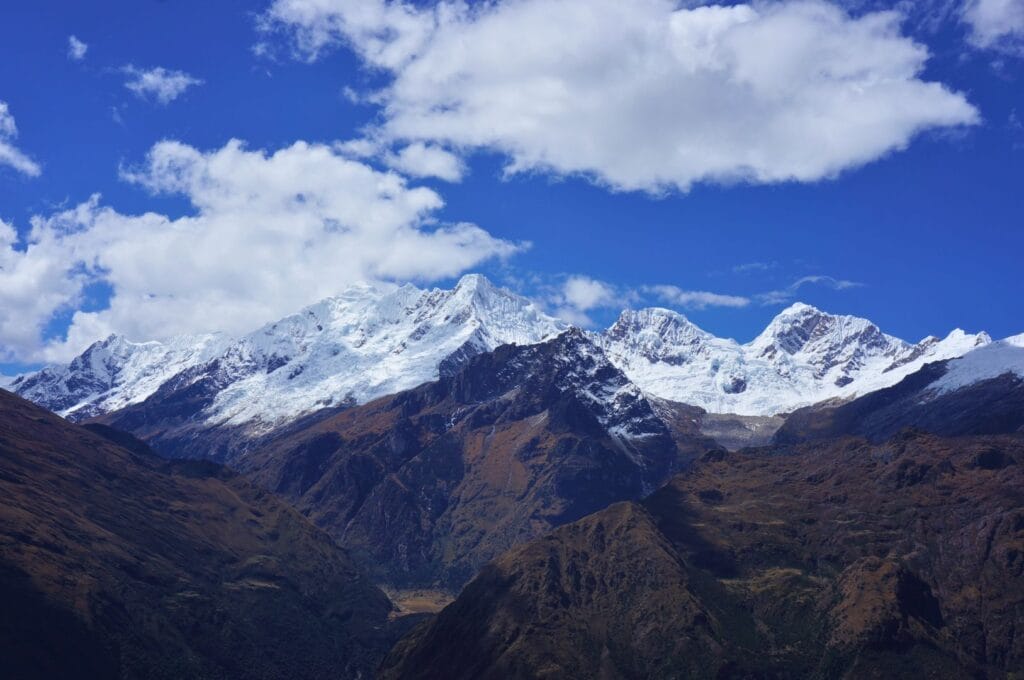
{"x":577,"y":295}
{"x":585,"y":293}
{"x":996,"y":24}
{"x":269,"y":233}
{"x":159,"y":84}
{"x":789,"y":293}
{"x":574,"y":297}
{"x":643,"y":95}
{"x":76,"y":49}
{"x":9,"y":154}
{"x":414,"y":160}
{"x":694,"y":299}
{"x":426,"y":160}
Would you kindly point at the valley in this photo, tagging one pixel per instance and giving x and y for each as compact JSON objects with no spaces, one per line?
{"x":518,"y":498}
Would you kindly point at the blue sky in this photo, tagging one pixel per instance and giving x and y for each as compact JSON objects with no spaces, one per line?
{"x":914,"y":222}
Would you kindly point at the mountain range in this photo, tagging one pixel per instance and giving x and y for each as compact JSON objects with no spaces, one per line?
{"x":648,"y":501}
{"x":370,"y":341}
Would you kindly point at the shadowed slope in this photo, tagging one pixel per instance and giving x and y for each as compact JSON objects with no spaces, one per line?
{"x":428,"y":485}
{"x":115,"y":563}
{"x":991,"y":405}
{"x":842,"y":560}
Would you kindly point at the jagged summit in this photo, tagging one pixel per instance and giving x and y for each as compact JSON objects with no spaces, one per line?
{"x":658,"y":321}
{"x":802,"y":326}
{"x":374,"y":339}
{"x":803,"y":356}
{"x":368,"y":341}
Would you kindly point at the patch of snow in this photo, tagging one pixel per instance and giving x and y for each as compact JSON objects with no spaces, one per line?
{"x":984,"y":363}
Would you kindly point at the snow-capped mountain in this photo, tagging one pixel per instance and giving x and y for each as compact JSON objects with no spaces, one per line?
{"x":114,"y":373}
{"x":372,"y":341}
{"x":429,"y":484}
{"x":365,"y":343}
{"x":803,"y":357}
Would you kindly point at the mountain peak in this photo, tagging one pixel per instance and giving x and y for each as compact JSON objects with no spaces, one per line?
{"x":665,"y":323}
{"x":800,"y":313}
{"x":474,"y":283}
{"x":804,"y":328}
{"x":801,"y":309}
{"x":369,"y":341}
{"x":648,"y":314}
{"x":478,"y":292}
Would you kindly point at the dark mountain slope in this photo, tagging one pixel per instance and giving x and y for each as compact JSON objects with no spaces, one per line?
{"x":835,"y":560}
{"x":989,"y":406}
{"x":428,"y":485}
{"x":115,"y":563}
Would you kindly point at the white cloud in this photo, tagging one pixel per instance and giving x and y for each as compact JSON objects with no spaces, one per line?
{"x":644,"y":94}
{"x":413,"y":160}
{"x":426,"y":160}
{"x":695,"y":299}
{"x":9,"y":154}
{"x":788,"y":294}
{"x":160,"y":84}
{"x":576,"y":296}
{"x":996,"y":24}
{"x":76,"y":49}
{"x":585,"y":293}
{"x":270,"y":232}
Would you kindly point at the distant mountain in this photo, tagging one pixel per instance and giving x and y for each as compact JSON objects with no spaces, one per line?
{"x":979,"y":393}
{"x":833,"y":560}
{"x":365,"y":343}
{"x":803,"y":357}
{"x":117,"y":564}
{"x":369,"y":342}
{"x":217,"y":400}
{"x":427,"y":485}
{"x":114,"y":373}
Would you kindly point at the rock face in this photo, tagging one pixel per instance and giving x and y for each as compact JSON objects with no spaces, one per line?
{"x":840,"y":559}
{"x":803,"y":357}
{"x":980,"y":393}
{"x":428,"y":485}
{"x":117,"y":564}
